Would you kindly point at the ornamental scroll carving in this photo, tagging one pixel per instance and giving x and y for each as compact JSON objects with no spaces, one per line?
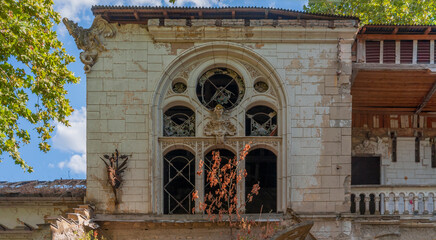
{"x":89,"y":39}
{"x":379,"y":146}
{"x":219,"y":127}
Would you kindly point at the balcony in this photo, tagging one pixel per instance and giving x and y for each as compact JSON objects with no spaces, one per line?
{"x":397,"y":200}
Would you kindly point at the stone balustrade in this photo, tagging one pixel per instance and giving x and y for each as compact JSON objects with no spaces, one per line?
{"x":393,"y":200}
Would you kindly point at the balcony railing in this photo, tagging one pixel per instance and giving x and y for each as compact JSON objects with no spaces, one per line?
{"x":393,"y":200}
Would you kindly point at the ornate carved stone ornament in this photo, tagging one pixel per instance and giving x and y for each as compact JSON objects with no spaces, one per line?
{"x":219,"y":127}
{"x":373,"y":146}
{"x":89,"y":39}
{"x":114,"y":170}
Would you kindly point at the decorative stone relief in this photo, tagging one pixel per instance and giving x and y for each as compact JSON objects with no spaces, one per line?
{"x":219,"y":127}
{"x":187,"y":71}
{"x":89,"y":39}
{"x":253,"y":72}
{"x":377,"y":146}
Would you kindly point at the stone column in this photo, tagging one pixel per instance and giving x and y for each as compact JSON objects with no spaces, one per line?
{"x":387,"y":205}
{"x":377,"y":205}
{"x":367,"y":200}
{"x":357,"y":203}
{"x":415,"y":204}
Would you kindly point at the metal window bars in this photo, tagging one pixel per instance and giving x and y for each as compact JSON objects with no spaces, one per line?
{"x":178,"y":122}
{"x":179,"y":182}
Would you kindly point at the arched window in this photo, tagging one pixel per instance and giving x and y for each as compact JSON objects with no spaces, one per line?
{"x":221,"y":86}
{"x":179,"y":182}
{"x":261,"y":167}
{"x":179,"y":121}
{"x":261,"y":121}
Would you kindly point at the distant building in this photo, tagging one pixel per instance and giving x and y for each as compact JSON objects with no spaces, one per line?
{"x":341,"y":120}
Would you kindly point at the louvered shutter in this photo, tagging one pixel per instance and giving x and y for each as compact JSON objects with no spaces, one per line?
{"x":424,"y":51}
{"x":372,"y":51}
{"x":389,"y":48}
{"x":406,"y":51}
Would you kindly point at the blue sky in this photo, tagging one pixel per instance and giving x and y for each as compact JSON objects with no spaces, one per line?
{"x":67,"y":158}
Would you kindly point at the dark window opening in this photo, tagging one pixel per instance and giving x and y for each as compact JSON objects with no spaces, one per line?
{"x":179,"y":182}
{"x":372,"y":51}
{"x":394,"y":147}
{"x":365,"y":170}
{"x":179,"y":121}
{"x":261,"y":167}
{"x":261,"y":121}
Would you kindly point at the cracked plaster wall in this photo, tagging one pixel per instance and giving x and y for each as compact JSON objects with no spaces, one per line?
{"x":313,"y":70}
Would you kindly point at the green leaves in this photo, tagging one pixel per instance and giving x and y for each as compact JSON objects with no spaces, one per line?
{"x":379,"y":11}
{"x":26,"y":36}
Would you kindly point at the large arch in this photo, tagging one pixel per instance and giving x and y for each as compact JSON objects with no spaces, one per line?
{"x":218,"y":54}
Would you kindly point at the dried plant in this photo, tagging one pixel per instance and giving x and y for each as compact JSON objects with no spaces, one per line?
{"x":114,"y":170}
{"x":221,"y":202}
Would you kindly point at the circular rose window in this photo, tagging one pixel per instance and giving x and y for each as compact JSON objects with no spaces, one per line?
{"x":220,"y":86}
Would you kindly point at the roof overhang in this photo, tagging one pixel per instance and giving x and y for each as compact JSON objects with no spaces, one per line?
{"x":394,"y":88}
{"x":135,"y":14}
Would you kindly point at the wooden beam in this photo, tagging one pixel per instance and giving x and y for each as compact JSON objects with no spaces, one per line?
{"x":426,"y":99}
{"x":135,"y":13}
{"x":393,"y":67}
{"x":395,"y":30}
{"x":233,"y":14}
{"x":379,"y":110}
{"x":396,"y":37}
{"x":427,"y":31}
{"x":363,"y":30}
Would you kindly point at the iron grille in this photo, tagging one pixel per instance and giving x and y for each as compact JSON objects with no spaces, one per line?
{"x":179,"y":182}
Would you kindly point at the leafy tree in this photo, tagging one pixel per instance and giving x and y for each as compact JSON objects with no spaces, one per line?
{"x":379,"y":11}
{"x":32,"y":63}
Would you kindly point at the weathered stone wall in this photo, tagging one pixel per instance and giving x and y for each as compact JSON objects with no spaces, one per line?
{"x":311,"y":64}
{"x":16,"y":213}
{"x":405,"y":171}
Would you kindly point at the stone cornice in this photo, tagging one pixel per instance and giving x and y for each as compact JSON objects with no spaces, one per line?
{"x":259,"y":31}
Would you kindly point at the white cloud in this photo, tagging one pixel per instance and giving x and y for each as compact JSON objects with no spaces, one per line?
{"x":146,"y":2}
{"x":74,"y":9}
{"x":51,"y":165}
{"x":77,"y":163}
{"x":196,"y":3}
{"x":73,"y":138}
{"x":62,"y":164}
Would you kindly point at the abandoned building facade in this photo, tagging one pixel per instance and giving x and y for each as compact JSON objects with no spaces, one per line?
{"x":340,"y":120}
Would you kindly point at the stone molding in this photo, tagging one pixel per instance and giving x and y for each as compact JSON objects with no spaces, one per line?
{"x":268,"y":30}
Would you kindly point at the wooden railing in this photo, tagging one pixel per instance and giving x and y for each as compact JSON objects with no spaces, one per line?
{"x":393,"y":200}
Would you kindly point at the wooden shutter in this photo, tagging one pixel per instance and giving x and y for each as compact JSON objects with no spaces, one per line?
{"x":423,"y":51}
{"x":372,"y":51}
{"x":406,"y":51}
{"x":389,"y":48}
